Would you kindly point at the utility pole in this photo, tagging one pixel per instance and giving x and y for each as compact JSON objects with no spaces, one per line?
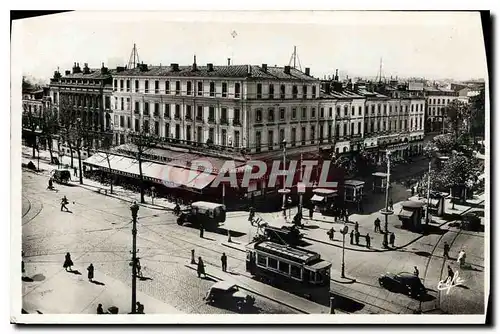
{"x":428,"y":193}
{"x":134,"y":209}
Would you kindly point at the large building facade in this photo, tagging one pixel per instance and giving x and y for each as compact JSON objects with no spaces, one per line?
{"x":85,"y":94}
{"x":437,"y":99}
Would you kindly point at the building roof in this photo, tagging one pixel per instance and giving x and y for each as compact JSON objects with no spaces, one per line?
{"x":227,"y":71}
{"x":345,"y":94}
{"x":94,"y":74}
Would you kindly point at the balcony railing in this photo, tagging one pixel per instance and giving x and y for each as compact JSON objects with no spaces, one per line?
{"x":236,"y":122}
{"x":224,"y":121}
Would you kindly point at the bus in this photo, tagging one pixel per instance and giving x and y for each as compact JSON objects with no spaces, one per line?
{"x":293,"y":269}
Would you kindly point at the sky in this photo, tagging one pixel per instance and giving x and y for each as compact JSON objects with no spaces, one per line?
{"x":433,"y":45}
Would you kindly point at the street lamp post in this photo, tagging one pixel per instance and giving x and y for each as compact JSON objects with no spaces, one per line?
{"x":344,"y":231}
{"x":428,"y":193}
{"x":386,"y":212}
{"x":284,"y":174}
{"x":37,"y":141}
{"x":134,"y":209}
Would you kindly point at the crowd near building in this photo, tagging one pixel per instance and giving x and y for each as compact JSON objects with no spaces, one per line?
{"x":246,"y":112}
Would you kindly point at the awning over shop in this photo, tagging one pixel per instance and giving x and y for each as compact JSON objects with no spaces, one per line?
{"x":317,"y":198}
{"x":170,"y":176}
{"x":406,"y":213}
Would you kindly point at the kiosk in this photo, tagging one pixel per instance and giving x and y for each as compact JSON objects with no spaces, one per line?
{"x":353,"y":190}
{"x":411,"y":215}
{"x":379,"y":182}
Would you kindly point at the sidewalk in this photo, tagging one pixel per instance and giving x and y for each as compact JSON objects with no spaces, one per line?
{"x":266,"y":291}
{"x":55,"y":291}
{"x":104,"y":189}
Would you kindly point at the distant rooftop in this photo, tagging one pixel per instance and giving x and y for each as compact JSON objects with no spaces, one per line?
{"x":226,"y":71}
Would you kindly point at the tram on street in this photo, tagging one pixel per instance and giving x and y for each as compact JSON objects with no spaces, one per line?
{"x":293,"y":269}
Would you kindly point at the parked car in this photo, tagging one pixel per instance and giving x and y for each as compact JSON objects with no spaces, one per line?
{"x":62,"y":176}
{"x":228,"y":295}
{"x":403,"y":283}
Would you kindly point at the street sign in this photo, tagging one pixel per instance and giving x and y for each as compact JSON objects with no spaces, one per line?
{"x":301,"y":188}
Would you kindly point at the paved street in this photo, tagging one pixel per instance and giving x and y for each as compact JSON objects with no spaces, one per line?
{"x":98,"y":231}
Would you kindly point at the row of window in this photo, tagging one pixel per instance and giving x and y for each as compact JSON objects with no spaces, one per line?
{"x":167,"y":89}
{"x":81,"y":81}
{"x":199,"y":134}
{"x":438,"y":101}
{"x":282,"y":92}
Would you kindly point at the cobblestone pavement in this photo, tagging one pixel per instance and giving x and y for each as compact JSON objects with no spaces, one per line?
{"x":98,"y":231}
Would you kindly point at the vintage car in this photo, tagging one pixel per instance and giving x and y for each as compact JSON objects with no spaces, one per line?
{"x":62,"y":176}
{"x":227,"y":294}
{"x":403,"y":282}
{"x":206,"y":213}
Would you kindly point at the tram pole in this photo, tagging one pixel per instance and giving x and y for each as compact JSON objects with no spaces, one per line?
{"x":134,"y":209}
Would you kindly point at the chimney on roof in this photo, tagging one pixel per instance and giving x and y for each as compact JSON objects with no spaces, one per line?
{"x":86,"y":69}
{"x":175,"y":67}
{"x":264,"y":67}
{"x":195,"y":67}
{"x":308,"y":71}
{"x":67,"y":72}
{"x":336,"y":75}
{"x":120,"y":69}
{"x":228,"y":61}
{"x":287,"y":69}
{"x":249,"y":70}
{"x":210,"y":67}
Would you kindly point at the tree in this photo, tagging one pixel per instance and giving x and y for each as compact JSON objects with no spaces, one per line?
{"x":143,"y":141}
{"x":50,"y":128}
{"x":478,"y":114}
{"x":32,"y":123}
{"x":106,"y":145}
{"x":458,"y":115}
{"x":67,"y":121}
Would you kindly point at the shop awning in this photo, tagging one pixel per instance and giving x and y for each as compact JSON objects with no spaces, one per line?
{"x":317,"y":198}
{"x":406,"y":213}
{"x":201,"y":181}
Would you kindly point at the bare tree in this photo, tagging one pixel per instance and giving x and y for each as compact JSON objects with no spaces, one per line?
{"x":106,"y":145}
{"x":31,"y":122}
{"x":67,"y":119}
{"x":50,"y":128}
{"x":143,"y":141}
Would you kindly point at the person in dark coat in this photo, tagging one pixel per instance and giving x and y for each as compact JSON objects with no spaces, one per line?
{"x":367,"y":238}
{"x":356,"y":237}
{"x":376,"y":223}
{"x":75,"y":173}
{"x":352,"y":236}
{"x":412,"y":191}
{"x":99,"y":309}
{"x":223,"y":260}
{"x":392,"y":239}
{"x":311,"y":211}
{"x":67,"y":262}
{"x":90,"y":271}
{"x":331,"y":233}
{"x":356,"y":227}
{"x":201,"y":268}
{"x":391,"y":204}
{"x":416,"y":272}
{"x":450,"y":273}
{"x":446,"y":250}
{"x":51,"y":186}
{"x":64,"y":201}
{"x":139,"y":308}
{"x":201,"y":230}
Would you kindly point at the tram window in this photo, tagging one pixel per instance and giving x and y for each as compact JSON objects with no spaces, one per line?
{"x":320,"y":276}
{"x":309,"y":275}
{"x":295,"y":271}
{"x":261,"y":259}
{"x":284,"y":267}
{"x":272,"y":263}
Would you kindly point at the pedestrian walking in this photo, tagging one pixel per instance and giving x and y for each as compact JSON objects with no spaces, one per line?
{"x":416,"y":272}
{"x":368,"y":241}
{"x":68,"y":263}
{"x":74,"y":172}
{"x":356,"y":237}
{"x":223,"y":260}
{"x":391,"y":204}
{"x":446,"y":250}
{"x":451,"y":274}
{"x":356,"y":227}
{"x":201,"y":268}
{"x":201,"y":230}
{"x":352,"y":237}
{"x":99,"y":309}
{"x":139,"y":308}
{"x":412,"y":191}
{"x":51,"y":186}
{"x":64,"y":201}
{"x":331,"y":233}
{"x":90,"y":270}
{"x":311,"y":211}
{"x":392,"y":239}
{"x":461,"y":258}
{"x":376,"y":225}
{"x":346,"y":215}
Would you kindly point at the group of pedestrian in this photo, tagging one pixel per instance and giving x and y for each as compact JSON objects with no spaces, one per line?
{"x":376,"y":225}
{"x":355,"y":236}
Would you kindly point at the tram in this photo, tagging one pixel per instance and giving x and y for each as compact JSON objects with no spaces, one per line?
{"x":293,"y":269}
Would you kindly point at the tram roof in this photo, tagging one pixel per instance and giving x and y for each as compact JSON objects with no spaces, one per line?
{"x":287,"y":252}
